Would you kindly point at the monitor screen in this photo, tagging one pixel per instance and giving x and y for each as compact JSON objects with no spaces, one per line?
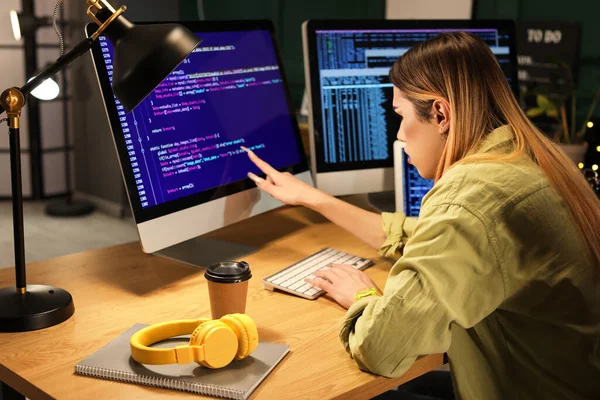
{"x":353,"y":123}
{"x":415,"y":187}
{"x":181,"y":146}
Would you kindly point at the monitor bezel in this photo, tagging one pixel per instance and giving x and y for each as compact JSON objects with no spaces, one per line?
{"x":316,"y":122}
{"x":146,"y":214}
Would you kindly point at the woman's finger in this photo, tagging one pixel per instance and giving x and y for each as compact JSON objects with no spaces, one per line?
{"x":329,"y":274}
{"x":321,"y":284}
{"x":359,"y":277}
{"x":349,"y":269}
{"x":342,"y":266}
{"x":257,"y":179}
{"x":262,"y":183}
{"x":262,"y":165}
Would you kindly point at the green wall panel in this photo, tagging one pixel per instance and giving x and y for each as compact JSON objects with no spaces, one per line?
{"x":188,"y":10}
{"x":501,"y":9}
{"x":287,"y":16}
{"x":293,"y":13}
{"x":584,"y":12}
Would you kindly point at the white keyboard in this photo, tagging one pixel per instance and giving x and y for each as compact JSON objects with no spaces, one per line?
{"x":291,"y":279}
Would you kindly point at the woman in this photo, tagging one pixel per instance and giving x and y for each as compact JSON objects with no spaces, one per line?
{"x":502,"y":268}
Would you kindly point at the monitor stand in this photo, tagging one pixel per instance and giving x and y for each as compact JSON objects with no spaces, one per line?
{"x":383,"y":201}
{"x":201,"y":252}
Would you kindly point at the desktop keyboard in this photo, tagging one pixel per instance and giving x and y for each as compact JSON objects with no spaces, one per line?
{"x":291,"y":279}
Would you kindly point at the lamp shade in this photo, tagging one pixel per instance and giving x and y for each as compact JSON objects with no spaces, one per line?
{"x":23,"y":24}
{"x":16,"y":24}
{"x":144,"y":55}
{"x":48,"y":90}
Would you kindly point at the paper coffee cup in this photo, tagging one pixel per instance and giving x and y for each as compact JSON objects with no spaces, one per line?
{"x":228,"y":287}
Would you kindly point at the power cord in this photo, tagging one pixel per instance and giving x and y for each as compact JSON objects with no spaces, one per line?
{"x":55,"y":26}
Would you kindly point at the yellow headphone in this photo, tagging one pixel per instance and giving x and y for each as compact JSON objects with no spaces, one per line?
{"x":213,"y":344}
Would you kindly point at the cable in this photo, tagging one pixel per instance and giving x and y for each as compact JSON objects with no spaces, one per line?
{"x":200,"y":9}
{"x":55,"y":26}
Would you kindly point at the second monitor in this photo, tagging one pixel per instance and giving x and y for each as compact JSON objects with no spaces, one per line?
{"x":351,"y":122}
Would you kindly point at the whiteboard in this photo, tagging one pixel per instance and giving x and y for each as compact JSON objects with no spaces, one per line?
{"x":428,"y":9}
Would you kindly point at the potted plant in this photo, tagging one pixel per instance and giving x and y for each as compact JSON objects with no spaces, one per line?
{"x":570,"y":139}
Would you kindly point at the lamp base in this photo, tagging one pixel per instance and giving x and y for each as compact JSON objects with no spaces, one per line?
{"x":40,"y":307}
{"x":69,"y":208}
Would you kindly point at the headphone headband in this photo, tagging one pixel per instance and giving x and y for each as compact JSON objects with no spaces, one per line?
{"x":155,"y":333}
{"x":212,"y":344}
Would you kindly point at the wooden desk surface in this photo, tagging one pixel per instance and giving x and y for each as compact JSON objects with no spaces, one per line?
{"x":114,"y":288}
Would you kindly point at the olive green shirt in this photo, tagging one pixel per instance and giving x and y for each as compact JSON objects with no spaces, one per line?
{"x":495,"y":273}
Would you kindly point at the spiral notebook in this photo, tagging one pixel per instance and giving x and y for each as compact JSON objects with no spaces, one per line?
{"x":235,"y":381}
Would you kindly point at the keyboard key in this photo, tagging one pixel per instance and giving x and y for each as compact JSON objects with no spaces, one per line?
{"x":293,"y":278}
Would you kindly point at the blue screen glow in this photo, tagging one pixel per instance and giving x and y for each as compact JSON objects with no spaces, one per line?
{"x":185,"y":137}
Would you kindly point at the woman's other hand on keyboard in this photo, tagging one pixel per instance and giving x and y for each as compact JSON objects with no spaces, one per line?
{"x":283,"y":186}
{"x":342,"y":282}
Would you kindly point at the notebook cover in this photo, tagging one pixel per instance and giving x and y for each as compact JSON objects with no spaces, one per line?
{"x":236,"y":381}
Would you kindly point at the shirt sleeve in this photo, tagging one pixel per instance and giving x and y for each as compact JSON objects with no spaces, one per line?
{"x":398,"y":228}
{"x":449,"y":274}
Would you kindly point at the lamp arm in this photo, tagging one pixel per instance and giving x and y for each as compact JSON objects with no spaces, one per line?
{"x":80,"y":49}
{"x":105,"y":15}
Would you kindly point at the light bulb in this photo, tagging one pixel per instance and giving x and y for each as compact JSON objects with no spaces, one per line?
{"x":580,"y":165}
{"x":16,"y":26}
{"x":598,"y":149}
{"x":595,"y":167}
{"x":107,"y":5}
{"x":590,"y":124}
{"x":48,"y":90}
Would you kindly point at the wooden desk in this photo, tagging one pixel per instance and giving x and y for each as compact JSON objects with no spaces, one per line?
{"x":114,"y":288}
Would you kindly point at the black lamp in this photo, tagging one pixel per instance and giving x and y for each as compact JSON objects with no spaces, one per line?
{"x":144,"y":56}
{"x":48,"y":90}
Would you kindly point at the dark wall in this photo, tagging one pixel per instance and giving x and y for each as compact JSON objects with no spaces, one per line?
{"x":150,"y":10}
{"x":584,"y":12}
{"x":287,"y":16}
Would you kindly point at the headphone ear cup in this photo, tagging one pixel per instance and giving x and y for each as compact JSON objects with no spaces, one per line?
{"x":194,"y":337}
{"x":246,"y":332}
{"x":219,"y":342}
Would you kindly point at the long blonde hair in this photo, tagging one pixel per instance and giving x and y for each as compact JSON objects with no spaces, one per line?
{"x":461,"y":68}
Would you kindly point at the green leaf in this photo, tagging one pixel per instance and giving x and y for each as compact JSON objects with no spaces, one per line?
{"x":544,"y":103}
{"x":552,"y":113}
{"x":535,"y":112}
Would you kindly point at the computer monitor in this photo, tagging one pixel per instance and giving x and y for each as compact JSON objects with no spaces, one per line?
{"x":352,"y":125}
{"x":179,"y":150}
{"x":409,"y":186}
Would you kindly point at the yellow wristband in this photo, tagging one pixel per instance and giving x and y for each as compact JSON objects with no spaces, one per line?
{"x":362,"y":293}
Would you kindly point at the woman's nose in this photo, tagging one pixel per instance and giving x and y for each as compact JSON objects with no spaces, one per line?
{"x":400,"y":136}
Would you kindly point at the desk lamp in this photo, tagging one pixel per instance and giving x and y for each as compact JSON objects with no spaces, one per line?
{"x":22,"y":22}
{"x":48,"y":90}
{"x":144,"y":56}
{"x":25,"y":25}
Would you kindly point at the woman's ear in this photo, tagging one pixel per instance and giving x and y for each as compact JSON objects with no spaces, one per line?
{"x":441,"y":115}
